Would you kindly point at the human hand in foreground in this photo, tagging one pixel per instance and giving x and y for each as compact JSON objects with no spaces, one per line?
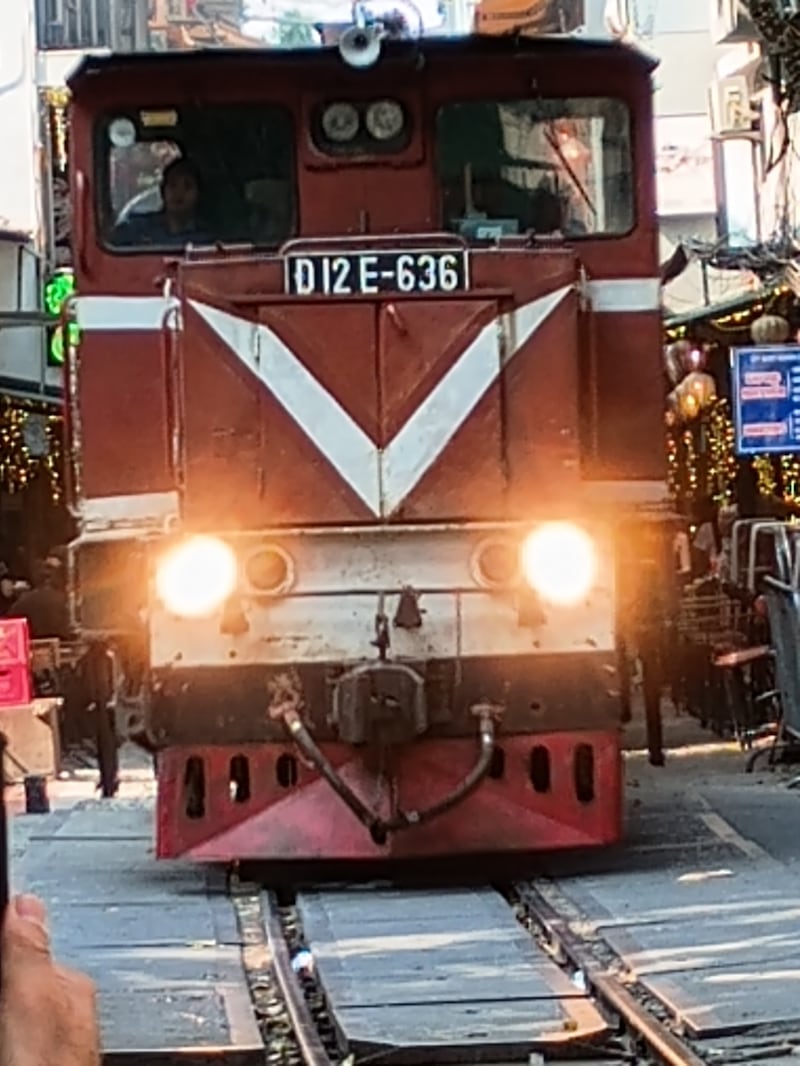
{"x":48,"y":1013}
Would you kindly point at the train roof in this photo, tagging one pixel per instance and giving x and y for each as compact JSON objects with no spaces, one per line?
{"x":468,"y":45}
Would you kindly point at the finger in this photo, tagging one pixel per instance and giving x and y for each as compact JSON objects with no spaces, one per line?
{"x":25,"y":930}
{"x":81,"y":995}
{"x":31,"y":909}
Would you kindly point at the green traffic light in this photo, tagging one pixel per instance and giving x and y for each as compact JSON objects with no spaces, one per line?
{"x":57,"y":351}
{"x":57,"y":291}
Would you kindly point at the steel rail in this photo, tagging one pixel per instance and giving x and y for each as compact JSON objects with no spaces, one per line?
{"x":660,"y":1040}
{"x":305,"y":1031}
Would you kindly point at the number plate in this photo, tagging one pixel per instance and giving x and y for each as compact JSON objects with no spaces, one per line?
{"x":372,"y":273}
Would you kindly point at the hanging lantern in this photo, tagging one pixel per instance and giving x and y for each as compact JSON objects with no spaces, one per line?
{"x":689,"y":405}
{"x":674,"y":360}
{"x":702,"y":386}
{"x":681,"y":358}
{"x":696,"y":392}
{"x":674,"y":405}
{"x":770,"y":329}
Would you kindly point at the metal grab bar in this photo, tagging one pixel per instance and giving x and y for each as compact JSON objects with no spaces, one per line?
{"x":389,"y":240}
{"x":378,"y":827}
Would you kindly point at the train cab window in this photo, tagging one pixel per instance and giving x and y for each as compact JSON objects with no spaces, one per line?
{"x":543,"y":166}
{"x":198,"y":175}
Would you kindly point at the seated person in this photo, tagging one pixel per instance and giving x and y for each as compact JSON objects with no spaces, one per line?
{"x":178,"y":221}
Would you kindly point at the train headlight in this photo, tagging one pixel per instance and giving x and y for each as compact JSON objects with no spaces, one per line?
{"x":196,"y":577}
{"x":385,"y":120}
{"x":560,"y":562}
{"x":270,"y":570}
{"x":340,"y":122}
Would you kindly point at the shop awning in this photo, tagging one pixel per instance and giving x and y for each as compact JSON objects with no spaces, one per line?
{"x":14,"y":236}
{"x":744,"y":301}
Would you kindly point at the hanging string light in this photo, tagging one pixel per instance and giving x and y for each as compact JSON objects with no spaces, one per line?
{"x":790,"y":475}
{"x":30,"y":447}
{"x":722,"y":454}
{"x":57,"y":101}
{"x":692,"y":472}
{"x":673,"y":467}
{"x":765,"y":473}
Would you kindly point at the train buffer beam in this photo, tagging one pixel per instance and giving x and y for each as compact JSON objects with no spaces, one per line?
{"x":447,"y":976}
{"x":160,"y":940}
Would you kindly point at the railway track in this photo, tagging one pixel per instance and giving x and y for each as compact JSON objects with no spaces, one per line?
{"x":666,"y":963}
{"x":302,"y":1024}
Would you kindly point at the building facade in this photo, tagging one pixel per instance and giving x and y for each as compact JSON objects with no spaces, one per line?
{"x":32,"y":516}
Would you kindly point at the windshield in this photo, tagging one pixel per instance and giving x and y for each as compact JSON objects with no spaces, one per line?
{"x":197,"y":175}
{"x":542,"y":166}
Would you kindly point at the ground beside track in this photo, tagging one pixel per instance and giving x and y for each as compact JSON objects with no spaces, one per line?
{"x":700,"y":905}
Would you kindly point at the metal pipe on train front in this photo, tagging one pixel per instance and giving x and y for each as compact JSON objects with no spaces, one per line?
{"x":378,"y":827}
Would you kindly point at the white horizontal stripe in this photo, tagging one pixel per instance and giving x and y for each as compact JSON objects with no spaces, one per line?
{"x":330,"y":613}
{"x":625,"y":294}
{"x":139,"y":509}
{"x":341,"y":628}
{"x":370,"y":560}
{"x":123,"y":312}
{"x":147,"y":312}
{"x":634,"y":493}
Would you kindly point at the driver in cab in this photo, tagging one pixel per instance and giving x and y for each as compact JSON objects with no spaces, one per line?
{"x":178,"y":221}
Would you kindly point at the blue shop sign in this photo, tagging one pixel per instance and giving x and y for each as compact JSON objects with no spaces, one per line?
{"x":766,"y":399}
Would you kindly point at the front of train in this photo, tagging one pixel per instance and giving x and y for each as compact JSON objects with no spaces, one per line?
{"x":413,"y":443}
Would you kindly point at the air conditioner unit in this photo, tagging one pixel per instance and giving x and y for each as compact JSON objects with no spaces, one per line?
{"x":731,"y":22}
{"x":732,"y":111}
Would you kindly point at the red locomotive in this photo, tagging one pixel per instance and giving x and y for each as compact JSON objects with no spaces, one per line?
{"x":366,"y":425}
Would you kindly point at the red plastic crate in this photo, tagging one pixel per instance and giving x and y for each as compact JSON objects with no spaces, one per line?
{"x":15,"y":686}
{"x":14,"y":642}
{"x":15,"y":675}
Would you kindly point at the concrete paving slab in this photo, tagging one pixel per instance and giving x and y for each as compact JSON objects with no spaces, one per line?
{"x":678,"y":946}
{"x":375,"y":905}
{"x":422,"y":985}
{"x":22,"y":828}
{"x":117,"y":820}
{"x":409,"y":1034}
{"x":208,"y":1021}
{"x":724,"y":1001}
{"x":719,"y":946}
{"x":443,"y":972}
{"x":162,"y":947}
{"x":104,"y":871}
{"x":635,"y":897}
{"x":154,"y":968}
{"x":413,"y":951}
{"x":189,"y":921}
